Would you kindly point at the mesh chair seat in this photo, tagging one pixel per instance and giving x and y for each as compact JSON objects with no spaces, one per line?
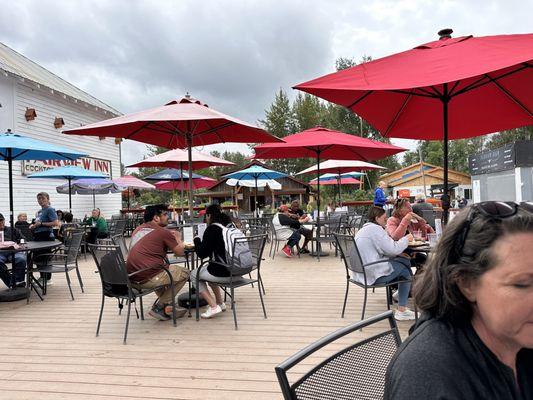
{"x":356,"y":372}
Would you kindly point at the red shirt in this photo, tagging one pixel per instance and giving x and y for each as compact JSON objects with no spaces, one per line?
{"x":150,"y":244}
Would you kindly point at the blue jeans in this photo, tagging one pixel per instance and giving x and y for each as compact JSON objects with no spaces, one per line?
{"x":294,"y":239}
{"x":19,"y":268}
{"x":400,"y":270}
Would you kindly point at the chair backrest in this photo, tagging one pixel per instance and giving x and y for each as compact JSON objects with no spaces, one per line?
{"x":248,"y":247}
{"x":254,"y":230}
{"x":73,"y":245}
{"x":112,"y":269}
{"x":429,"y":216}
{"x":120,"y":241}
{"x":356,"y":372}
{"x":349,"y":253}
{"x":118,"y":228}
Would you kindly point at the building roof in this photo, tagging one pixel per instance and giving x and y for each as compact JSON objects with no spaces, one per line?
{"x":12,"y":62}
{"x":412,"y":172}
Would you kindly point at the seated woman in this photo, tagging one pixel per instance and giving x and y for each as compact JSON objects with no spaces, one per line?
{"x":475,"y":339}
{"x":98,"y":226}
{"x":212,"y":246}
{"x":404,"y":220}
{"x":287,"y":228}
{"x":375,"y":244}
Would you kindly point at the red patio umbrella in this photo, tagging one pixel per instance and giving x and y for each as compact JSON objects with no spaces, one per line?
{"x":451,"y":88}
{"x":323,"y":143}
{"x":179,"y":159}
{"x":341,"y":181}
{"x":178,"y":124}
{"x":197,"y":183}
{"x":132,"y":182}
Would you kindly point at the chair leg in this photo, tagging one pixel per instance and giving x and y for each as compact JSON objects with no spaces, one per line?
{"x":261,"y":297}
{"x":345,"y":297}
{"x":142,"y":308}
{"x":69,"y":286}
{"x":79,"y":277}
{"x":100,"y":317}
{"x":127,"y":321}
{"x":233,"y":307}
{"x":389,"y":297}
{"x":261,"y":282}
{"x":364,"y":305}
{"x":120,"y":306}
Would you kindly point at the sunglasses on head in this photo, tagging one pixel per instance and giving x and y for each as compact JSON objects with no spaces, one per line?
{"x":495,"y":210}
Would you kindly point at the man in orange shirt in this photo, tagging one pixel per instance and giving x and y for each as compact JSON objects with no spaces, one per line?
{"x":150,"y":243}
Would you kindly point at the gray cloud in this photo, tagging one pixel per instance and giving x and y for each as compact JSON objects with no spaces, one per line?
{"x":233,"y":55}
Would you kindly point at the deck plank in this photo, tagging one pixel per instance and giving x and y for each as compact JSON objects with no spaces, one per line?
{"x":49,"y":349}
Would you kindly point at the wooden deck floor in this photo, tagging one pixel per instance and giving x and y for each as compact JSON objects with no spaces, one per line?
{"x":49,"y":350}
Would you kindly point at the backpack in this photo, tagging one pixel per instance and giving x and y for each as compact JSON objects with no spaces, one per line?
{"x":241,"y":254}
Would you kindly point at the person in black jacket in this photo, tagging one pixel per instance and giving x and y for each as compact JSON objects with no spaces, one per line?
{"x":18,"y":277}
{"x":475,"y":339}
{"x":212,"y":246}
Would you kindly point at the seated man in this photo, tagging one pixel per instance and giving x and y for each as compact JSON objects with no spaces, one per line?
{"x":150,"y":243}
{"x":287,"y":228}
{"x":297,"y":213}
{"x":17,"y":278}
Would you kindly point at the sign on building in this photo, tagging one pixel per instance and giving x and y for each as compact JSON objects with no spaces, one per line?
{"x":89,"y":163}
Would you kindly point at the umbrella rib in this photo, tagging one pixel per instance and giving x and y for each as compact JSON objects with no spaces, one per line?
{"x":144,"y":126}
{"x":360,"y":99}
{"x":397,"y":116}
{"x":483,"y":80}
{"x":412,"y":93}
{"x":216,"y":129}
{"x":513,"y":98}
{"x":457,"y":83}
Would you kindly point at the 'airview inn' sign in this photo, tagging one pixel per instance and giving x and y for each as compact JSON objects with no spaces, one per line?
{"x":89,"y":163}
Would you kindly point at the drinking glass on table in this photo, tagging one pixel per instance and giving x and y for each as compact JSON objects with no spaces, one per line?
{"x":417,"y":235}
{"x":432,"y":238}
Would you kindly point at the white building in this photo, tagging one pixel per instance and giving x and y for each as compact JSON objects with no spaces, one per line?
{"x":36,"y":103}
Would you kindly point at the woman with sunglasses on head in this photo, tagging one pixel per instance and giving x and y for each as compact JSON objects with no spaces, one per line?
{"x":475,"y":339}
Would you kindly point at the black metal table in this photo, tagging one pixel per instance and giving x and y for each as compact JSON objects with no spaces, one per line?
{"x":13,"y":294}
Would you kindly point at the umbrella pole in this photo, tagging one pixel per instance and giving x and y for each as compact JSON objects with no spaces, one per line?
{"x":181,"y":191}
{"x":445,"y":196}
{"x":10,"y":172}
{"x":318,"y":252}
{"x":189,"y":150}
{"x":339,"y":182}
{"x":69,"y":196}
{"x":129,"y":198}
{"x":94,"y":200}
{"x":256,"y":211}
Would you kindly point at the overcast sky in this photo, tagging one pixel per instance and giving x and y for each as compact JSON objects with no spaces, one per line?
{"x":235,"y":54}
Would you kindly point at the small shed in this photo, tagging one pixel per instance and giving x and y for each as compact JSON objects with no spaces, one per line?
{"x":243,"y":197}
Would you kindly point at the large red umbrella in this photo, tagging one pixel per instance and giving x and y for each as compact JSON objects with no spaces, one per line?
{"x":132,"y":182}
{"x":341,"y":166}
{"x":178,"y":124}
{"x":451,"y":88}
{"x":321,"y":143}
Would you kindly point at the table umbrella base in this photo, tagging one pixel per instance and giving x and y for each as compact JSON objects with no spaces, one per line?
{"x":13,"y":294}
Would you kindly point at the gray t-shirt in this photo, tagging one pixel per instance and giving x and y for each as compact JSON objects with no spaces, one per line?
{"x":448,"y":362}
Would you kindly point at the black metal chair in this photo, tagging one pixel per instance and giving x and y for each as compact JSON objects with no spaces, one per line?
{"x":116,"y":282}
{"x":52,"y":263}
{"x":354,"y":263}
{"x":356,"y":372}
{"x":429,"y":216}
{"x":255,"y":245}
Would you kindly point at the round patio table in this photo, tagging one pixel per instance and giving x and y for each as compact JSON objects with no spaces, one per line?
{"x":13,"y":294}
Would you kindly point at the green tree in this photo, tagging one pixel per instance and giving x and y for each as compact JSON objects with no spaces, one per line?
{"x":510,"y":136}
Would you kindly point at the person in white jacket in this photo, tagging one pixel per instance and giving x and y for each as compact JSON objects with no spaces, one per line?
{"x":375,"y":244}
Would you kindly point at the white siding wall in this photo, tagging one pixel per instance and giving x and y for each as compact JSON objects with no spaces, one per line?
{"x":48,"y":105}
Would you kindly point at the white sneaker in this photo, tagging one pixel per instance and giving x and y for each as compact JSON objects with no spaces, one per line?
{"x":211,"y":312}
{"x":395,"y":297}
{"x":223,"y":306}
{"x":406,"y":315}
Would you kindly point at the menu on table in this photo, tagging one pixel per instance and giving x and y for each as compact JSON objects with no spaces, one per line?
{"x":201,"y":230}
{"x":188,"y":234}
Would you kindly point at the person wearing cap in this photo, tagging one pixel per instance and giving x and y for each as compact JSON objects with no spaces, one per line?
{"x":287,"y":228}
{"x":17,"y":278}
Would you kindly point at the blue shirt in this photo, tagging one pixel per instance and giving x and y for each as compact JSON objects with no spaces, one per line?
{"x":47,"y":214}
{"x":379,"y":197}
